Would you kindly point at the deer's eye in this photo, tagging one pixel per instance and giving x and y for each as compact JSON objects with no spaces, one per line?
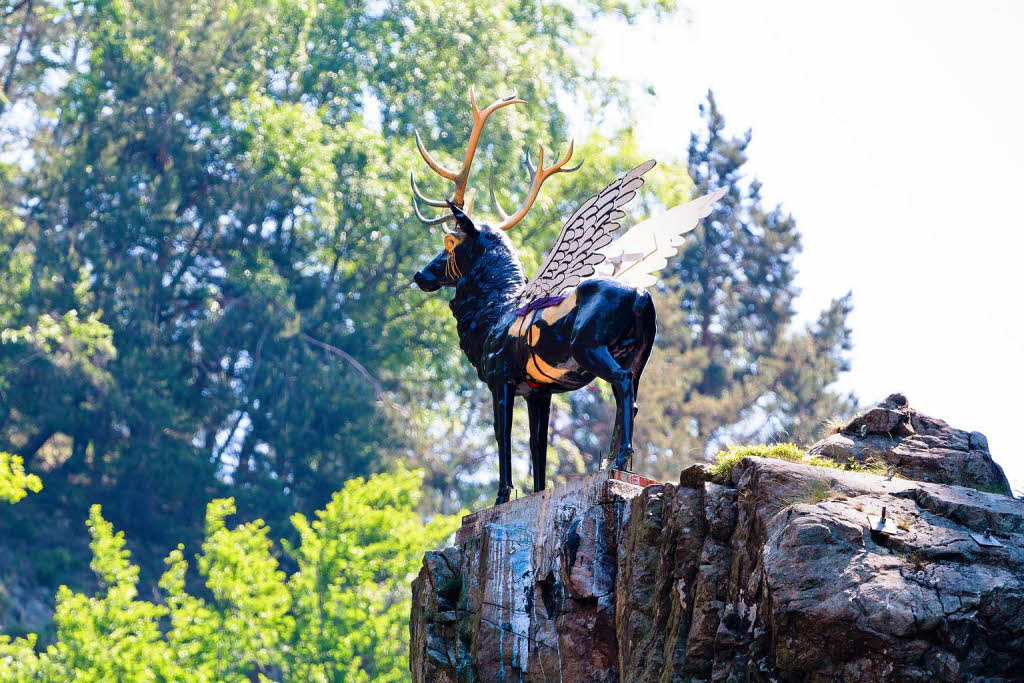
{"x":450,"y":243}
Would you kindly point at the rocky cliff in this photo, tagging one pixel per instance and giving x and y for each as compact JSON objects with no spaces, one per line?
{"x":915,"y":446}
{"x":773,"y":571}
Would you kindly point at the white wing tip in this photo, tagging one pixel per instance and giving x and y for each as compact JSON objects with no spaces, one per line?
{"x":644,"y":167}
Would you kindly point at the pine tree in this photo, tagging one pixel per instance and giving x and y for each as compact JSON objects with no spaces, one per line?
{"x":728,"y":364}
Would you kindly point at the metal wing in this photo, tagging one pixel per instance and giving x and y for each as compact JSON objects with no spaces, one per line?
{"x":647,"y":246}
{"x":589,"y":229}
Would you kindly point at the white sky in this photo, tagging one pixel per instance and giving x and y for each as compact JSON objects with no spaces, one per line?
{"x":893,"y":133}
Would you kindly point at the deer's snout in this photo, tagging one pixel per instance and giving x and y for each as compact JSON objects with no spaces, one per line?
{"x":426,"y":282}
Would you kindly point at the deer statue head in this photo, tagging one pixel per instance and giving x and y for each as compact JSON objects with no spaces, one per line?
{"x":464,"y":247}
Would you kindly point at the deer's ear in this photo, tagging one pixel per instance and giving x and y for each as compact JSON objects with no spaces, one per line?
{"x":464,"y":222}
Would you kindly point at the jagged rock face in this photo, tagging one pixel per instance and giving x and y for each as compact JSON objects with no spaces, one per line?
{"x":919,"y":447}
{"x":528,"y":590}
{"x":771,"y":575}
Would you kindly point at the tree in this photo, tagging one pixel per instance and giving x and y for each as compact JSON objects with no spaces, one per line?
{"x":342,"y":616}
{"x":15,"y":483}
{"x":223,"y":185}
{"x":728,"y":365}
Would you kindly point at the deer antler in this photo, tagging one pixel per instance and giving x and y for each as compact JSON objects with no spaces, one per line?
{"x":460,"y":178}
{"x":537,"y":177}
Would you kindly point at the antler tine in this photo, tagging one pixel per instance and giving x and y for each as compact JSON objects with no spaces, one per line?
{"x":571,"y":169}
{"x":479,"y":119}
{"x":539,"y":176}
{"x":494,"y":198}
{"x":430,"y":221}
{"x":557,"y":168}
{"x":529,"y":164}
{"x":437,"y":203}
{"x":461,"y":177}
{"x":438,"y":168}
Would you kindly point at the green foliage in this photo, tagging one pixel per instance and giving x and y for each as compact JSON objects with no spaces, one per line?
{"x":15,"y":482}
{"x":67,"y":342}
{"x":351,"y":588}
{"x":51,"y":564}
{"x":342,"y":616}
{"x":726,"y":460}
{"x":111,"y":636}
{"x":243,"y":627}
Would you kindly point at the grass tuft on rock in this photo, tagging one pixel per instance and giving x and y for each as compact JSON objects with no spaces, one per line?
{"x":815,"y":493}
{"x":834,"y":425}
{"x":726,"y":460}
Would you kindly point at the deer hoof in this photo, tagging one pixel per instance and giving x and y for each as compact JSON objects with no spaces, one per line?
{"x":623,"y":459}
{"x":503,"y":495}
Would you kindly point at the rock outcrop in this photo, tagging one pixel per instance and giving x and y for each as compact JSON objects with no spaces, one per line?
{"x":773,"y":572}
{"x":919,"y":447}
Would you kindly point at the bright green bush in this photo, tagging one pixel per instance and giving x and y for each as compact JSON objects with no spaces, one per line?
{"x":729,"y":458}
{"x":726,"y":460}
{"x":342,"y":616}
{"x":15,"y":483}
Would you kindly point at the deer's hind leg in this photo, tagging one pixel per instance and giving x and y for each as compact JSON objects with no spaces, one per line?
{"x":599,"y":361}
{"x":644,"y":330}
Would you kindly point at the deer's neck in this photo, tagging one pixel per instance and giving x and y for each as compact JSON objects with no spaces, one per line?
{"x":484,"y":304}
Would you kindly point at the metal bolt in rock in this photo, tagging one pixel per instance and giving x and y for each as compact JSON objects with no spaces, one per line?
{"x":987,"y":540}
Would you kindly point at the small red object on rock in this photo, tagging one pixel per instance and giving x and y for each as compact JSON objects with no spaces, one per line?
{"x":631,"y":478}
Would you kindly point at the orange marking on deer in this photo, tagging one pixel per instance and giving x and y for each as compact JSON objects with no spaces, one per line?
{"x":541,"y":372}
{"x":552,"y":314}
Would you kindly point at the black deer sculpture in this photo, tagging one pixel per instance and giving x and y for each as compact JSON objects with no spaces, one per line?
{"x":583,"y":315}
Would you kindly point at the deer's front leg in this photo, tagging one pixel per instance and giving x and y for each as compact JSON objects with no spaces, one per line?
{"x":539,"y":407}
{"x":504,"y":399}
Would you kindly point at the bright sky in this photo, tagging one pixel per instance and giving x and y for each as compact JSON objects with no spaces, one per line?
{"x":892,"y":131}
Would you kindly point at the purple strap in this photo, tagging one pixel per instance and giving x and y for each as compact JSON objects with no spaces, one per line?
{"x":542,"y":302}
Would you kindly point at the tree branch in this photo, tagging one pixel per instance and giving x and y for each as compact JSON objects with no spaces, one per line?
{"x":17,"y":6}
{"x":9,"y":80}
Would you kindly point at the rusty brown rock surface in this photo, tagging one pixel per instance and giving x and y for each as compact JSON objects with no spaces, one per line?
{"x":772,"y":574}
{"x":920,"y":447}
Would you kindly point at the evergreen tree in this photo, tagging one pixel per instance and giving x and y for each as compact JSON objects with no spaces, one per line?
{"x":728,"y":364}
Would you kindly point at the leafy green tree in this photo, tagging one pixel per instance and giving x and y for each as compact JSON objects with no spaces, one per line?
{"x":350,"y":595}
{"x":113,"y":636}
{"x":39,"y":35}
{"x":342,"y":616}
{"x":15,"y":483}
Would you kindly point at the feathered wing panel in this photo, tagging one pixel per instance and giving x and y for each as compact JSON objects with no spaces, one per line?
{"x":646,"y":247}
{"x":578,"y":250}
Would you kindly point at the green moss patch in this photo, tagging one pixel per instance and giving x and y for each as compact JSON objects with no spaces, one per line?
{"x":726,"y":460}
